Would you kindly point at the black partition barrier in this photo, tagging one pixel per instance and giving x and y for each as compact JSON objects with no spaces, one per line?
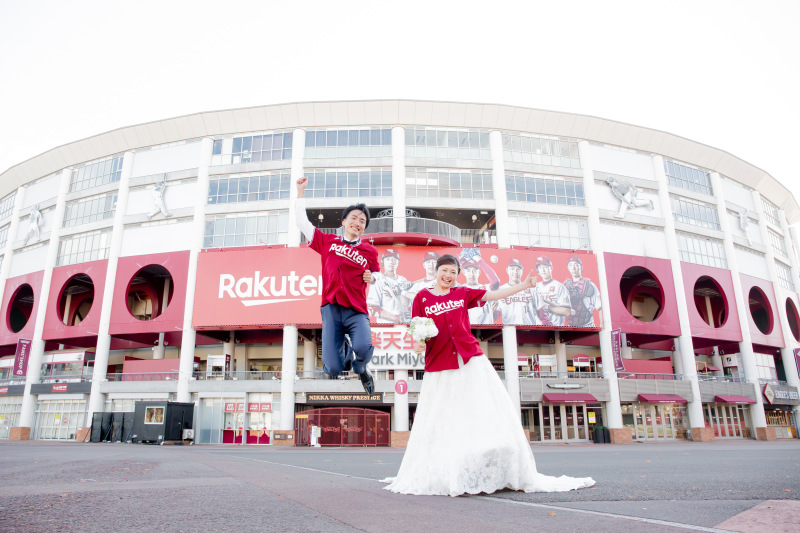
{"x":156,"y":422}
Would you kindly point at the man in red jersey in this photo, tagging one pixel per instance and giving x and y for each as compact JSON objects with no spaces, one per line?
{"x":347,"y":266}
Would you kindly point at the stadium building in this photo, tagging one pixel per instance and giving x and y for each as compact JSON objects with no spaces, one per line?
{"x":161,"y":263}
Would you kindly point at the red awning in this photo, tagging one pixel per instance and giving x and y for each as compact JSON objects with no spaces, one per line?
{"x":734,"y":399}
{"x":661,"y":398}
{"x":553,"y":397}
{"x":712,"y":368}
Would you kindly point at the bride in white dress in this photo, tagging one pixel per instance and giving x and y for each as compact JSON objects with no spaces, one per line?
{"x":467,"y":437}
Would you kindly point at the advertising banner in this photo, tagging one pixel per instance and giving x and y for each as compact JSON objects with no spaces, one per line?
{"x":21,"y":358}
{"x":277,"y":286}
{"x":394,"y":349}
{"x":616,"y":350}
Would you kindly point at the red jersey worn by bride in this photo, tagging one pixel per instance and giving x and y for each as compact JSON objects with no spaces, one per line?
{"x":449,"y":313}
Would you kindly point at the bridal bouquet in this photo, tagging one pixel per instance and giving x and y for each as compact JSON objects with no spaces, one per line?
{"x":422,"y":329}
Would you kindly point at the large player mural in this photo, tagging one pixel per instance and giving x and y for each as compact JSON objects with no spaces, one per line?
{"x":275,"y":286}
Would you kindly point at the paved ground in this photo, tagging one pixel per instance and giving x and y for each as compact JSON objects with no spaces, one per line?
{"x":720,"y":486}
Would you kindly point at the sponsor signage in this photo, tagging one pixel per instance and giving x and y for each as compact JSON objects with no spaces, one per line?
{"x":393,"y":349}
{"x":344,"y":398}
{"x":3,"y":391}
{"x":401,"y":387}
{"x":21,"y":358}
{"x":233,"y":407}
{"x":60,"y":388}
{"x":259,"y":407}
{"x":781,"y":394}
{"x":616,"y":350}
{"x":277,"y":286}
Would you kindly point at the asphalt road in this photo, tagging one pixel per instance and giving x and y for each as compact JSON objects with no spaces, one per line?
{"x":720,"y":486}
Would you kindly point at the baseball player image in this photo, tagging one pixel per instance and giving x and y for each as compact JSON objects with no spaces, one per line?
{"x":385,"y":299}
{"x":471,"y":265}
{"x":429,"y":265}
{"x":553,"y":305}
{"x":515,"y":309}
{"x":584,"y":296}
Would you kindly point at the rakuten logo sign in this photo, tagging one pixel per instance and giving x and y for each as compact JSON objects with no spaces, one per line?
{"x":263,"y":290}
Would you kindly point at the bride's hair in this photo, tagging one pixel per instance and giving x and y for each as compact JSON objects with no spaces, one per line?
{"x":448,"y":259}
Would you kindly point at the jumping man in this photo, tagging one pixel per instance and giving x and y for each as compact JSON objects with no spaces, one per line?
{"x":347,"y":266}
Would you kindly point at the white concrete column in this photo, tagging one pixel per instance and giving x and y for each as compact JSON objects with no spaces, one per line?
{"x":499,"y":189}
{"x":613,"y":410}
{"x":309,"y":358}
{"x":787,"y":353}
{"x":189,"y":335}
{"x":561,"y":352}
{"x":288,"y":373}
{"x":13,"y":228}
{"x":399,"y":178}
{"x":400,"y":419}
{"x":625,"y":351}
{"x":298,"y":153}
{"x":103,"y":347}
{"x":37,"y":344}
{"x":742,"y":304}
{"x":684,"y":343}
{"x":510,"y":349}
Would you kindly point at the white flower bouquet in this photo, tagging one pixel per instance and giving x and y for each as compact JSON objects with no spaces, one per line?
{"x":422,"y":329}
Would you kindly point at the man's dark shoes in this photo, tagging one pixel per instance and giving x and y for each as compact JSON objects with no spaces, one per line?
{"x":367,"y":382}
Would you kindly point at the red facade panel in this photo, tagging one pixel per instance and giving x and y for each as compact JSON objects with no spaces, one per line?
{"x":774,"y":336}
{"x":54,"y":326}
{"x":729,"y":331}
{"x":7,"y":335}
{"x":667,"y":323}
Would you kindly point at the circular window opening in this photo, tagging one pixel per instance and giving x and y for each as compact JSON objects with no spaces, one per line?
{"x":793,"y":319}
{"x":150,"y":292}
{"x":710,"y":301}
{"x":760,"y":310}
{"x":75,"y":300}
{"x":641,"y":294}
{"x":21,"y":307}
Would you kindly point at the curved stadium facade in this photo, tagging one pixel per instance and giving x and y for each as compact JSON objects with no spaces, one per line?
{"x":161,"y":263}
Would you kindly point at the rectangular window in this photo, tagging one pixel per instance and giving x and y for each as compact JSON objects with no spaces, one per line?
{"x":784,"y":276}
{"x":701,"y":250}
{"x":343,"y":182}
{"x":765,"y":366}
{"x":541,"y":189}
{"x":548,"y":231}
{"x":687,"y":177}
{"x":541,"y":150}
{"x":441,"y":183}
{"x":153,"y":415}
{"x":777,"y":243}
{"x":7,"y":205}
{"x":90,"y":209}
{"x":4,"y":237}
{"x":249,"y":187}
{"x":246,"y":229}
{"x":695,"y":213}
{"x":362,"y":142}
{"x":96,"y":174}
{"x":771,"y":212}
{"x":252,"y":149}
{"x":84,"y":247}
{"x":447,"y":144}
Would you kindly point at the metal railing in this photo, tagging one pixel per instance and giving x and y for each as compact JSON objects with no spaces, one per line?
{"x":559,"y":375}
{"x":236,"y":375}
{"x":639,"y":375}
{"x":413,"y":225}
{"x":764,"y":381}
{"x":728,"y":379}
{"x":476,"y":236}
{"x":143,"y":376}
{"x":13,"y":380}
{"x":66,"y":378}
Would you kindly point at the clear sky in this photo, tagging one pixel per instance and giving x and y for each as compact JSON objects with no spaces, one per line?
{"x":721,"y":72}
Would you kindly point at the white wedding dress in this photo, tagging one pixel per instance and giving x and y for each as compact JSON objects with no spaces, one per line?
{"x":467,"y":439}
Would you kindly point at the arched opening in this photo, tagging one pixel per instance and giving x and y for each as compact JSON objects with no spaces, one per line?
{"x":760,"y":310}
{"x":642,"y":294}
{"x":75,"y":300}
{"x":793,"y":318}
{"x":20,"y":308}
{"x":149,"y":292}
{"x":710,"y":301}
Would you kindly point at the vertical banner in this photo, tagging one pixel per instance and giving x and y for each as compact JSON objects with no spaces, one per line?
{"x":616,"y":349}
{"x":21,"y":357}
{"x":797,"y":360}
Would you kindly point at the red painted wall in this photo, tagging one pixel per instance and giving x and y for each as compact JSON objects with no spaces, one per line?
{"x":730,"y":330}
{"x":34,"y":279}
{"x":775,"y":337}
{"x":54,"y":328}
